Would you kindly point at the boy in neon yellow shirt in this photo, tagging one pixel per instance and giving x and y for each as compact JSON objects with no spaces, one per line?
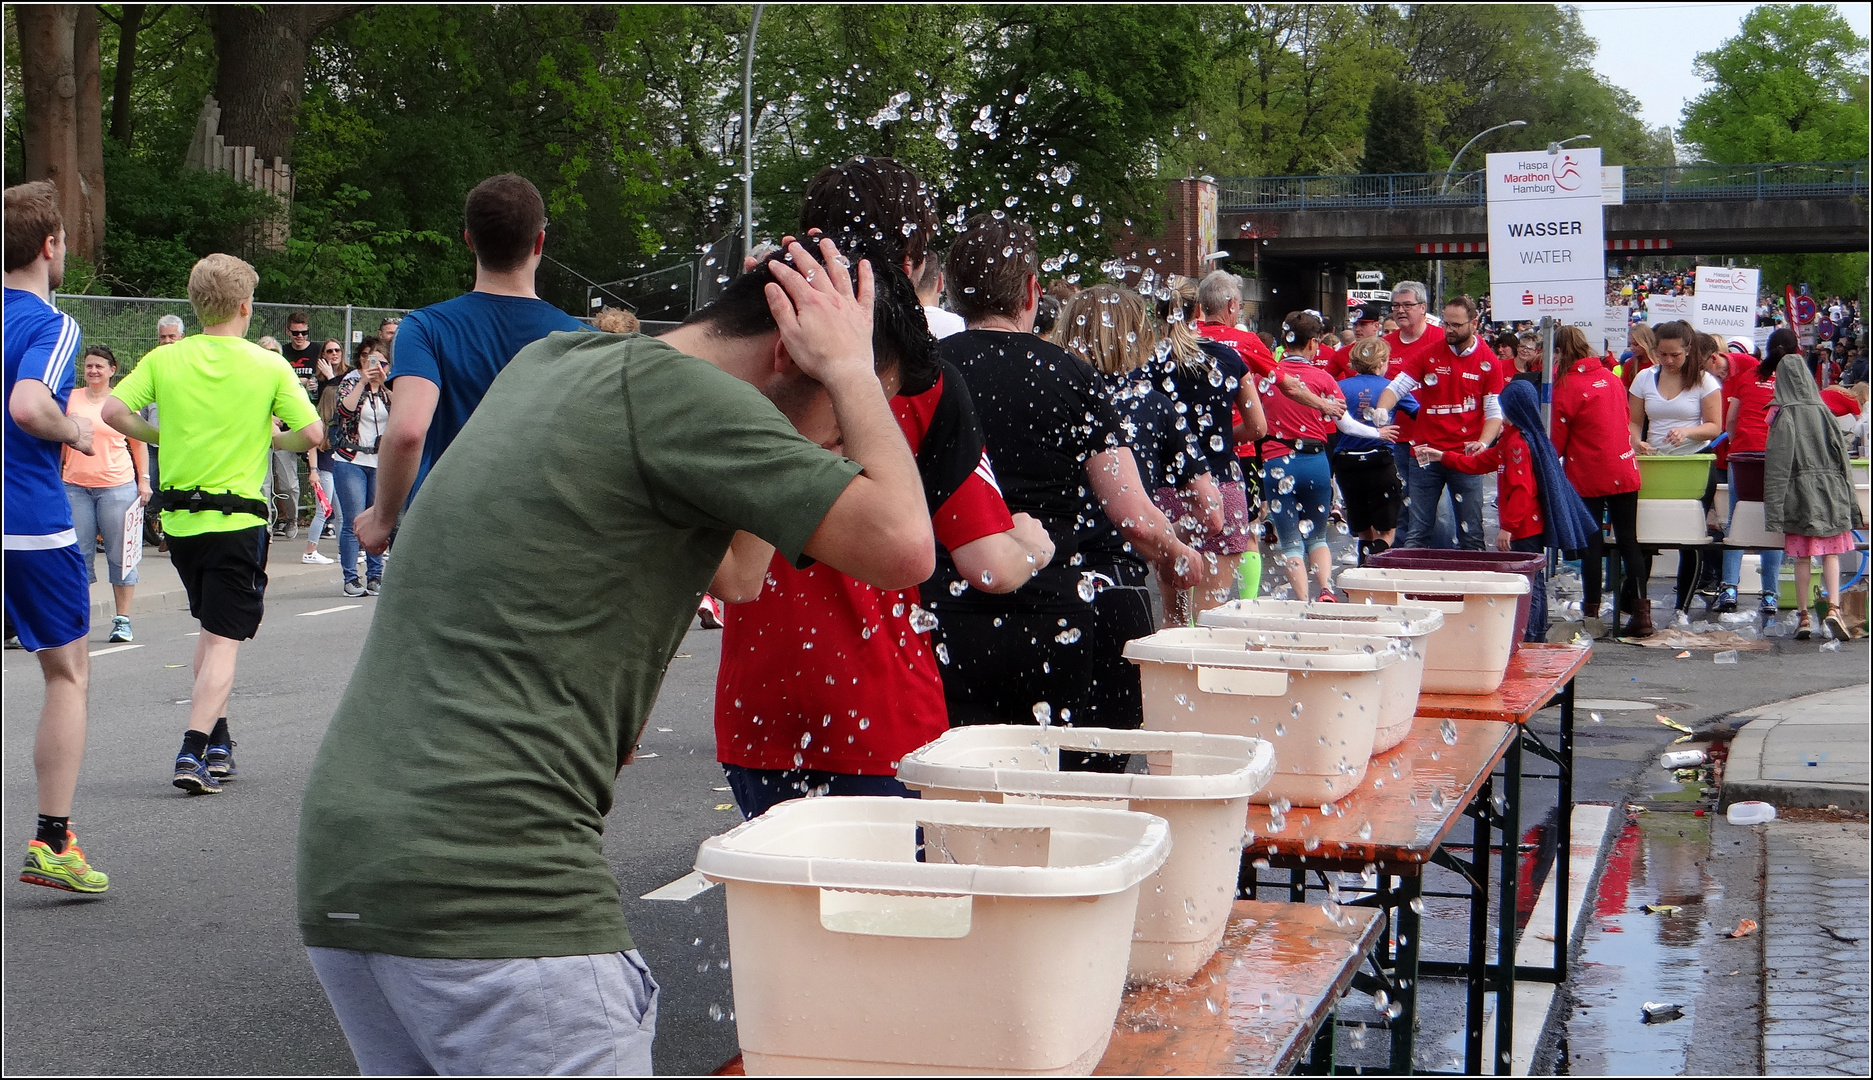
{"x":218,"y":395}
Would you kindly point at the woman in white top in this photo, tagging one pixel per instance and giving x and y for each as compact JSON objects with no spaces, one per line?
{"x":363,"y":413}
{"x":1677,"y":408}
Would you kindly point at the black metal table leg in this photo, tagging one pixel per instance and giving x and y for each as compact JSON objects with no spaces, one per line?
{"x":1476,"y":977}
{"x":1405,"y":973}
{"x":1564,"y":831}
{"x":1511,"y":818}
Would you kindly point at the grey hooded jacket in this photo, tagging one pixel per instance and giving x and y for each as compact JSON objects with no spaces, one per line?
{"x":1807,"y":488}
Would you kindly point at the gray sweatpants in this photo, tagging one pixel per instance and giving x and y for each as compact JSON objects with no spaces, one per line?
{"x":549,"y":1016}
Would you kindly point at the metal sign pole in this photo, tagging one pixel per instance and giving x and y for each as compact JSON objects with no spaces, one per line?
{"x":1547,"y":370}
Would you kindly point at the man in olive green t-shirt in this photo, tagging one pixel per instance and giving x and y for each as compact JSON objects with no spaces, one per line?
{"x":453,"y":889}
{"x":218,"y":395}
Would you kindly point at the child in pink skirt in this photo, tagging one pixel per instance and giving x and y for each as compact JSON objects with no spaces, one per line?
{"x":1808,"y":489}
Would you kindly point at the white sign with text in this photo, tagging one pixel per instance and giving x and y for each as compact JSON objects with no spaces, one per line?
{"x":1547,"y":237}
{"x":1615,"y":326}
{"x":1725,"y":302}
{"x":1664,"y":308}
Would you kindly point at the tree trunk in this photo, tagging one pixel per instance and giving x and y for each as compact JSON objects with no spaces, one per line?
{"x":260,"y":72}
{"x":88,"y":238}
{"x":127,"y":30}
{"x":51,"y":72}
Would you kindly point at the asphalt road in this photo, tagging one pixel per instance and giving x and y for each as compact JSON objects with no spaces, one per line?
{"x":192,"y":963}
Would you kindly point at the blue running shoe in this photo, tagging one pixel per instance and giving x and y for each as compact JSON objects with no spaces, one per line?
{"x":219,"y":758}
{"x":192,"y":775}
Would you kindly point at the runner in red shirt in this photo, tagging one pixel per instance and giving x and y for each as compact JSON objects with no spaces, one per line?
{"x":1219,"y":303}
{"x":1338,"y":361}
{"x":825,"y":681}
{"x":1456,"y":386}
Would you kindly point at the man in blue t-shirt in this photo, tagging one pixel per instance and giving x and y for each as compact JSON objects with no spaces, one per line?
{"x":449,"y":353}
{"x":47,"y":598}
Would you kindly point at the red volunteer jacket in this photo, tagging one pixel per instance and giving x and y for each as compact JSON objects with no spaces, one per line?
{"x":1590,"y":432}
{"x":1518,"y":500}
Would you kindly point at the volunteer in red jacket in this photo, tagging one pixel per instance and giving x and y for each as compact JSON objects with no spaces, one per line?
{"x":1595,"y":447}
{"x":1538,"y":507}
{"x":1297,"y":474}
{"x":1458,"y":412}
{"x":1746,"y":421}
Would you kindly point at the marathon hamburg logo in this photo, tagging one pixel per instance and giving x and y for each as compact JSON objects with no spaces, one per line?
{"x":1537,"y":176}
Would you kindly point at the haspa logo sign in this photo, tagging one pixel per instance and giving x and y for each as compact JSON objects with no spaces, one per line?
{"x":1567,"y":173}
{"x":1547,"y":300}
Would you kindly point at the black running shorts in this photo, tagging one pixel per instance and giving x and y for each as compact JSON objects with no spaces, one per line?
{"x":225,"y":574}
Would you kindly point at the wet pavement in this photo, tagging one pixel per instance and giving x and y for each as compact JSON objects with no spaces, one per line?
{"x":1698,"y":875}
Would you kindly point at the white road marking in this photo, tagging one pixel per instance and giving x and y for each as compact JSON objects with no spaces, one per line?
{"x":114,"y":648}
{"x":687,"y":887}
{"x":328,"y":611}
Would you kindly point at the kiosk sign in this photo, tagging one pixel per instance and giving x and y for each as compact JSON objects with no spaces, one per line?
{"x":1547,"y":237}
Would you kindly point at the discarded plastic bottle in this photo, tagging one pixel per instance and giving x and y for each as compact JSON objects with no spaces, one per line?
{"x":1682,"y":759}
{"x":1750,"y":813}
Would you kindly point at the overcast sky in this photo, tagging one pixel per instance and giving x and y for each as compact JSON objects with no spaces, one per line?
{"x":1648,"y":48}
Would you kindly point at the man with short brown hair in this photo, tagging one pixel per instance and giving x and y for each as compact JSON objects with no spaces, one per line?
{"x":454,"y":349}
{"x":47,"y":599}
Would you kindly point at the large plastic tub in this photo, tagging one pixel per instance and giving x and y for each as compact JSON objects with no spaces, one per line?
{"x":1471,"y":653}
{"x":1318,"y":707}
{"x":1674,"y":476}
{"x":1529,"y":564}
{"x":1003,"y":951}
{"x":1672,"y":521}
{"x":1200,"y":784}
{"x":1748,"y":467}
{"x":1411,"y":626}
{"x":1748,"y":529}
{"x":1399,"y":683}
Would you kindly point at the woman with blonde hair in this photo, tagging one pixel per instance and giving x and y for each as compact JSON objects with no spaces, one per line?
{"x":1204,"y":379}
{"x":1109,"y":327}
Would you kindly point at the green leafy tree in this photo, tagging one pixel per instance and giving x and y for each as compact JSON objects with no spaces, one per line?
{"x":1791,"y":86}
{"x":1396,"y":137}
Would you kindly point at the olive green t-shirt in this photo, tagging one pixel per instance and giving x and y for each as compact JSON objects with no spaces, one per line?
{"x":217,"y":397}
{"x":543,"y":579}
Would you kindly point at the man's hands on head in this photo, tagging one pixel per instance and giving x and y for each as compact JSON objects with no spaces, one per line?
{"x":825,"y":323}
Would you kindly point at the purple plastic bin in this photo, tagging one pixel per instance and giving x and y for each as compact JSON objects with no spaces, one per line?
{"x":1526,"y":563}
{"x":1748,"y":467}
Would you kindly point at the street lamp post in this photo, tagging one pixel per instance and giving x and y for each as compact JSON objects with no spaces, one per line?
{"x":747,"y":138}
{"x":1554,"y":148}
{"x":1445,"y":190}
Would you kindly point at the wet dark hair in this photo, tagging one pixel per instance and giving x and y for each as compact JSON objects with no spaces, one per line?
{"x":1299,"y":328}
{"x":989,"y":264}
{"x":900,"y":333}
{"x":1782,"y":342}
{"x":1046,"y":315}
{"x":873,"y":208}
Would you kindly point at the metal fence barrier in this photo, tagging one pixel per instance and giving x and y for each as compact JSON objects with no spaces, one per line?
{"x":127,"y":324}
{"x":1643,"y":183}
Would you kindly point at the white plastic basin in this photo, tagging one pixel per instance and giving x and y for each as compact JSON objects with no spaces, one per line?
{"x":1003,"y":952}
{"x":1672,"y":521}
{"x":1398,"y":686}
{"x":1319,"y":708}
{"x":1470,"y":653}
{"x":1198,"y":783}
{"x":1749,"y":530}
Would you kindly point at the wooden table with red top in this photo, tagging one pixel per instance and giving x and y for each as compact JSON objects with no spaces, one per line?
{"x":1388,"y":829}
{"x":1538,"y":674}
{"x":1255,"y":1009}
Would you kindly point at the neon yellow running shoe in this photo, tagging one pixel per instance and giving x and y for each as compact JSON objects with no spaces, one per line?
{"x":68,"y":871}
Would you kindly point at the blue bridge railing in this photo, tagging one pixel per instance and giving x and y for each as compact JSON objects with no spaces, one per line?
{"x":1643,"y":183}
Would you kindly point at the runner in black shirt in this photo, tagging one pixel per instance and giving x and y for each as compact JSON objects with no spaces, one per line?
{"x":1025,"y":657}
